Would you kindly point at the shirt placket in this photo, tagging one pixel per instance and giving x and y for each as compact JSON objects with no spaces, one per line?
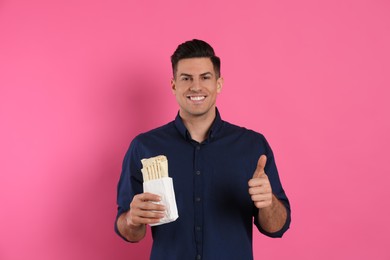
{"x":198,"y":229}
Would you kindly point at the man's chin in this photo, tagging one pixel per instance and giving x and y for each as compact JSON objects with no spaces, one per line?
{"x":195,"y":113}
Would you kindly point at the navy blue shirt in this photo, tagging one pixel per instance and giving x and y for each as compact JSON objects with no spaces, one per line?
{"x":210,"y":179}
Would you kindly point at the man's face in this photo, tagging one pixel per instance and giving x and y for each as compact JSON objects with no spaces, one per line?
{"x":196,"y":87}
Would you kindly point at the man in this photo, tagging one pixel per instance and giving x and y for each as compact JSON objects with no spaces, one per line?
{"x":225,"y":177}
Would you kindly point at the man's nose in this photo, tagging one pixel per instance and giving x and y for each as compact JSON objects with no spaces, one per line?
{"x":195,"y":85}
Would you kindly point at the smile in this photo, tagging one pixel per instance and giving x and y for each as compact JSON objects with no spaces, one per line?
{"x":196,"y":98}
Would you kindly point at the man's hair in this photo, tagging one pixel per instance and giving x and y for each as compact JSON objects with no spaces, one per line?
{"x":195,"y":49}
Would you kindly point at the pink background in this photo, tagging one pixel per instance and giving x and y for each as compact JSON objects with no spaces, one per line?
{"x":79,"y":79}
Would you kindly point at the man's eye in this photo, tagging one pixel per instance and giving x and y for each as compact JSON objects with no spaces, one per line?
{"x":185,"y":78}
{"x":206,"y":77}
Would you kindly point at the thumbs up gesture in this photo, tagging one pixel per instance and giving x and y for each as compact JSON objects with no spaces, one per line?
{"x":259,"y":186}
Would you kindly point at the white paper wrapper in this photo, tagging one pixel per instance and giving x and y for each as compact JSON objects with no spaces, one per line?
{"x":164,"y":188}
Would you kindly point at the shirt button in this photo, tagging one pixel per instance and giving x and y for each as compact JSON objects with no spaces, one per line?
{"x":197,"y":199}
{"x":197,"y":228}
{"x":197,"y":172}
{"x":198,"y":147}
{"x":198,"y":257}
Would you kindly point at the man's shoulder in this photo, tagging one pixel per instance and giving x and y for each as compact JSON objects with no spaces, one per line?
{"x":153,"y":137}
{"x":246,"y":138}
{"x":234,"y":128}
{"x":158,"y":131}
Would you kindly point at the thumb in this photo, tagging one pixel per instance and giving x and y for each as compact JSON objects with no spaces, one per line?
{"x":260,"y":166}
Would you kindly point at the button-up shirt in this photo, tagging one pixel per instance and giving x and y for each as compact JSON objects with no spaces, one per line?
{"x":210,"y":179}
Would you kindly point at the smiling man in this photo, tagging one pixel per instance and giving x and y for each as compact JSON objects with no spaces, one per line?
{"x":224,"y":176}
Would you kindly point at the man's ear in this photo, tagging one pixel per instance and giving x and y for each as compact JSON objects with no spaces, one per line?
{"x":173,"y":86}
{"x":219,"y":85}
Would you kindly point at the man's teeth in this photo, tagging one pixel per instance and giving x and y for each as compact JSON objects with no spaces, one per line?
{"x":197,"y":98}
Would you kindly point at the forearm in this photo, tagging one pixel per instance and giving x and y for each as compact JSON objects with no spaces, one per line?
{"x":130,"y":232}
{"x":273,"y":217}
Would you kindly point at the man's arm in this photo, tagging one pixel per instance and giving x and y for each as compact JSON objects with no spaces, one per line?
{"x":272,"y":213}
{"x":143,"y":210}
{"x":273,"y":218}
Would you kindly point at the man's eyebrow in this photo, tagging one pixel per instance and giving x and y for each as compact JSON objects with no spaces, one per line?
{"x":206,"y":73}
{"x":185,"y":74}
{"x":190,"y":75}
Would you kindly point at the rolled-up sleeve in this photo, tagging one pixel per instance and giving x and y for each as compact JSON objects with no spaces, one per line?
{"x":277,"y":189}
{"x":130,"y":182}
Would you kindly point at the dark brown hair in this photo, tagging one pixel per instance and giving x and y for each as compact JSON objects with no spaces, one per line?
{"x":195,"y":49}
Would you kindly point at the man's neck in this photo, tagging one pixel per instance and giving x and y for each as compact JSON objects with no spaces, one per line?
{"x":199,"y":126}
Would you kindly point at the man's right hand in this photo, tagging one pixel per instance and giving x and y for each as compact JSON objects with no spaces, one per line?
{"x":145,"y":210}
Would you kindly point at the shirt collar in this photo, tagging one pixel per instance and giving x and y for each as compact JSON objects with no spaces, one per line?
{"x":214,"y":129}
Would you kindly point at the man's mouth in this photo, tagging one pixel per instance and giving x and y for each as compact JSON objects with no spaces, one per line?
{"x":196,"y":98}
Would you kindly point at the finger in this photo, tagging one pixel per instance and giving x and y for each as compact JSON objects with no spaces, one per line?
{"x":148,"y":214}
{"x":260,"y":190}
{"x":262,"y":197}
{"x":148,"y":197}
{"x":147,"y":205}
{"x":263,"y":204}
{"x":152,"y":206}
{"x":258,"y":181}
{"x":260,"y":166}
{"x":145,"y":218}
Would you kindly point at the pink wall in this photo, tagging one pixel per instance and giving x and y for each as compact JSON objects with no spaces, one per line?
{"x":79,"y":79}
